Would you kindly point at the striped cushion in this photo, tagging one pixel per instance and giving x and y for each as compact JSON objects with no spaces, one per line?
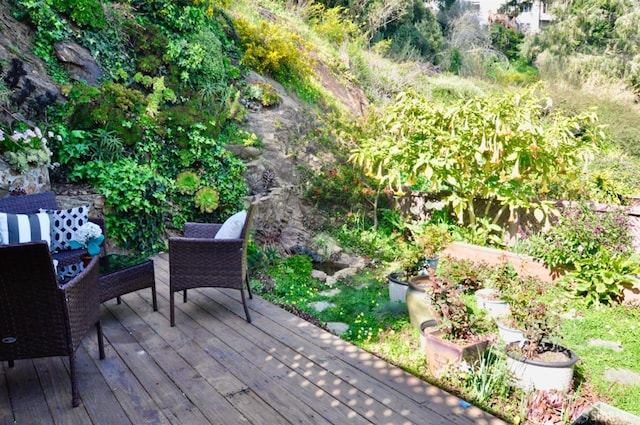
{"x":15,"y":228}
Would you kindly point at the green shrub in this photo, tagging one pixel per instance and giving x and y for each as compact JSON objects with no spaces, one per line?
{"x":334,"y":23}
{"x":581,"y":233}
{"x":22,"y":149}
{"x":136,"y":197}
{"x":199,"y":59}
{"x":262,"y":93}
{"x":340,"y":188}
{"x":85,"y":13}
{"x":600,"y":278}
{"x":113,"y":106}
{"x":507,"y":40}
{"x":215,"y":167}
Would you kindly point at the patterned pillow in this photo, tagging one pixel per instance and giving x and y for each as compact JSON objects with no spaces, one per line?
{"x":69,"y":271}
{"x":64,"y":224}
{"x":15,"y":228}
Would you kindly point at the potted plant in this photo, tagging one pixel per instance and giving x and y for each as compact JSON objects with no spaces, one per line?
{"x":431,"y":240}
{"x":518,"y":297}
{"x":458,"y":335}
{"x":420,"y":253}
{"x":492,"y":296}
{"x":537,"y":361}
{"x":88,"y":236}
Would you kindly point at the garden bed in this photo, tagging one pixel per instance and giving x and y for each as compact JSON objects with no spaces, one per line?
{"x":525,"y":265}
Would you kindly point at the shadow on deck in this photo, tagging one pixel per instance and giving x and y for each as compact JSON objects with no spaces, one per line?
{"x":215,"y":368}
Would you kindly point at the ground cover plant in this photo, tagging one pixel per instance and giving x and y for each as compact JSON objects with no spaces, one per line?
{"x":382,"y":327}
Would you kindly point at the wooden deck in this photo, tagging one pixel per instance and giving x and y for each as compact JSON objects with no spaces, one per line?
{"x":215,"y":368}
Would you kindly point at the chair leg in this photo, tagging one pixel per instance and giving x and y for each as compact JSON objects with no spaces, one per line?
{"x":172,"y":314}
{"x":244,"y":303}
{"x":100,"y":340}
{"x":154,"y":297}
{"x":12,"y":363}
{"x":184,"y":296}
{"x":246,"y":279}
{"x":75,"y":394}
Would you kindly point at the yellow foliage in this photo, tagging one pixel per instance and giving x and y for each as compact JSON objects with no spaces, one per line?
{"x":212,"y":5}
{"x":271,"y":49}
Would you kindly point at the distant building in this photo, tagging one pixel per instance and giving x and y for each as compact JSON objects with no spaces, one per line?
{"x":529,"y":21}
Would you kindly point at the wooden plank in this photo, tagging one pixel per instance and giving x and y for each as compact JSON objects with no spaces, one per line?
{"x":27,"y":399}
{"x":373,"y":368}
{"x":169,"y":399}
{"x":6,"y":411}
{"x":269,"y":390}
{"x":54,"y":377}
{"x":204,"y":397}
{"x":129,"y":391}
{"x":428,"y":396}
{"x":101,"y":404}
{"x":321,"y":389}
{"x":235,"y":391}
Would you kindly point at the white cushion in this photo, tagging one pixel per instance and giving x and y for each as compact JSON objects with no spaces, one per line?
{"x":17,"y":228}
{"x":232,"y":228}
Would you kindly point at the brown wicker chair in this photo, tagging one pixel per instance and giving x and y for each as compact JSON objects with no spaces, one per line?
{"x":40,"y":317}
{"x":198,"y":260}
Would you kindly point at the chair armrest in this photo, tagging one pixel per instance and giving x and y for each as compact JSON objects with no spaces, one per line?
{"x":82,"y":299}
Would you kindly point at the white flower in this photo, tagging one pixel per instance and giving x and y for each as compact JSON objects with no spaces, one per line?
{"x":86,"y":232}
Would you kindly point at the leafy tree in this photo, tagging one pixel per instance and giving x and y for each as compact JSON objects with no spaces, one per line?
{"x":510,"y":149}
{"x":507,"y":40}
{"x":605,"y":30}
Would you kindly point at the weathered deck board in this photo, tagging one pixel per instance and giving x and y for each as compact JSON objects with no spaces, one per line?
{"x":214,"y":367}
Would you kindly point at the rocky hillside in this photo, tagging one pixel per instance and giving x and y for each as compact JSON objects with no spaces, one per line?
{"x":285,"y":153}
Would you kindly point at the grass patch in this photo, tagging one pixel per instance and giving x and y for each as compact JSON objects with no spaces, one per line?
{"x":618,"y":325}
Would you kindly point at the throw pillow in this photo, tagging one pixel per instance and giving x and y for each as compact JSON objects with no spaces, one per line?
{"x":64,"y":224}
{"x":232,"y":228}
{"x":16,"y":228}
{"x":70,"y":271}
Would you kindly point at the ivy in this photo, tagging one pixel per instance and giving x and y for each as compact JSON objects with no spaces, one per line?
{"x":137,"y":200}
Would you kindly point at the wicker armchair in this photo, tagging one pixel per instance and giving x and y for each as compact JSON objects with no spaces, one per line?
{"x":40,"y":317}
{"x":198,"y":260}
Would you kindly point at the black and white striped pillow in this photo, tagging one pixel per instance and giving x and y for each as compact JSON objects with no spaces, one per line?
{"x":16,"y":228}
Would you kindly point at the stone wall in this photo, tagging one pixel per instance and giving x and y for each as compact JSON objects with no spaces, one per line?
{"x":33,"y":181}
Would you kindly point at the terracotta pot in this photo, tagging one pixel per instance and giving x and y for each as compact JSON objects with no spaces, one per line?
{"x":86,"y":259}
{"x":442,"y":353}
